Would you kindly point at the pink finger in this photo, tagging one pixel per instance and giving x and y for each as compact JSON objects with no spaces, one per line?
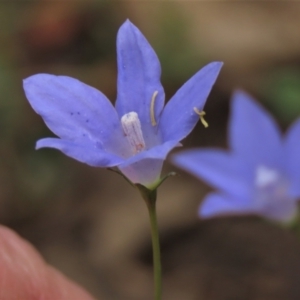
{"x":25,"y":275}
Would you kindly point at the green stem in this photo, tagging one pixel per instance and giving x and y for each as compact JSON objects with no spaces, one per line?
{"x":156,"y":252}
{"x":149,"y":195}
{"x":151,"y":204}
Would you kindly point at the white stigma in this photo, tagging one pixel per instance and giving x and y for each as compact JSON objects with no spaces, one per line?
{"x":266,"y":176}
{"x":133,"y":131}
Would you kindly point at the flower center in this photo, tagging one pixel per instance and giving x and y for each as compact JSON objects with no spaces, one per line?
{"x":266,"y":177}
{"x":272,"y":191}
{"x":133,"y":131}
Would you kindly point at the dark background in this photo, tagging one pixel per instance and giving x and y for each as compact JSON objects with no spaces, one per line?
{"x":89,"y":222}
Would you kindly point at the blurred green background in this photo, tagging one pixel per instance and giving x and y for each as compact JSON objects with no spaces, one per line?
{"x":91,"y":224}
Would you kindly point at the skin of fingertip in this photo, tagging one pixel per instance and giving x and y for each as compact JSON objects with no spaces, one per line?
{"x":25,"y":275}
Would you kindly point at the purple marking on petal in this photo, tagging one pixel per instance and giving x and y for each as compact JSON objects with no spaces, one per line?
{"x":73,"y":110}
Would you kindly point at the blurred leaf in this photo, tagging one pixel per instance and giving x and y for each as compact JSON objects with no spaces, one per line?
{"x":178,"y":57}
{"x":282,"y":92}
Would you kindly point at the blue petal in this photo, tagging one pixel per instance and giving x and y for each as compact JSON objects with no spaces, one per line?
{"x":215,"y":204}
{"x":138,"y":78}
{"x":253,"y":132}
{"x":157,"y":152}
{"x":283,"y":208}
{"x":220,"y":169}
{"x":146,"y":172}
{"x":292,"y":156}
{"x":178,"y":117}
{"x":145,"y":167}
{"x":74,"y":110}
{"x":83,"y":153}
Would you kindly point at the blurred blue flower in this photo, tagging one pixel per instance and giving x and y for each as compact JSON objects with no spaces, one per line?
{"x":138,"y":133}
{"x":261,"y":173}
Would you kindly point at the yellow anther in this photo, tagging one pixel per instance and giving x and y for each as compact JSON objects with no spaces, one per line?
{"x":152,"y":114}
{"x":201,"y":114}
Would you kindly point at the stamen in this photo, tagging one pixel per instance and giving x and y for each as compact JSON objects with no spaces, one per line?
{"x":152,"y":115}
{"x":133,"y":131}
{"x":201,"y":114}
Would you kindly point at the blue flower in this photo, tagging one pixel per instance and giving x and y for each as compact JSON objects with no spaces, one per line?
{"x":138,"y":133}
{"x":261,"y":173}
